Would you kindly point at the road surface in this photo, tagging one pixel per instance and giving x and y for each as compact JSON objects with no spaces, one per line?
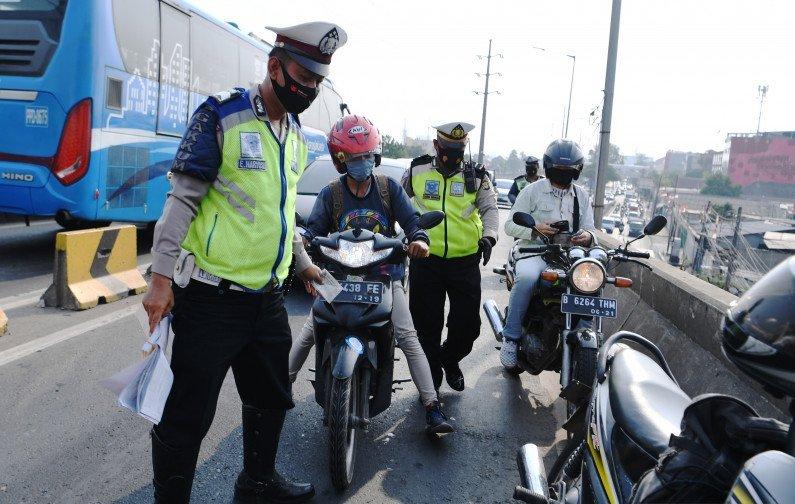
{"x":63,"y":438}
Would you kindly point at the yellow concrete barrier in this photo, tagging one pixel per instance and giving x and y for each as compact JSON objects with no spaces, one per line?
{"x":94,"y":266}
{"x":3,"y":323}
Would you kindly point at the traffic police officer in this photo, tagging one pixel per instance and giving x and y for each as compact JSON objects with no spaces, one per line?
{"x":530,"y":176}
{"x":470,"y":229}
{"x":226,"y":238}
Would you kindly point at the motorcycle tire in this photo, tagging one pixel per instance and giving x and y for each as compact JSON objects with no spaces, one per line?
{"x":568,"y":465}
{"x":343,"y":434}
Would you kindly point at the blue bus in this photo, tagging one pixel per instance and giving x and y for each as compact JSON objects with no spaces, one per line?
{"x":95,"y":96}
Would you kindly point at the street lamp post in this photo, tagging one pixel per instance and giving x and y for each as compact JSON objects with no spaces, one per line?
{"x":571,"y":88}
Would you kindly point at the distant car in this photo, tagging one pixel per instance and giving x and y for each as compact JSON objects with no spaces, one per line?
{"x":321,"y":171}
{"x":633,"y":214}
{"x":635,"y":227}
{"x":503,"y":187}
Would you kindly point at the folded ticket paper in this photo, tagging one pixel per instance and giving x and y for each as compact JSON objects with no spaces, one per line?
{"x":330,"y":288}
{"x":143,"y":387}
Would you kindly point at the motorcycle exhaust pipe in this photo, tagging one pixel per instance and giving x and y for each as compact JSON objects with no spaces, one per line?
{"x":495,"y":318}
{"x":532,"y":475}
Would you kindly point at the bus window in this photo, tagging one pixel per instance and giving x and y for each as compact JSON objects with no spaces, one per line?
{"x":172,"y":117}
{"x":215,"y":59}
{"x":31,"y":32}
{"x":136,"y":25}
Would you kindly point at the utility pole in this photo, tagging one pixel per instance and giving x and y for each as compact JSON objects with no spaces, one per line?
{"x":607,"y":113}
{"x":485,"y":93}
{"x":571,"y":87}
{"x":761,"y":91}
{"x":702,"y":240}
{"x":733,"y":251}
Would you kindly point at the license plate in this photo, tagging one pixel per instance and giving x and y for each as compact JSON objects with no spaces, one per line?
{"x":360,"y":292}
{"x":588,"y":305}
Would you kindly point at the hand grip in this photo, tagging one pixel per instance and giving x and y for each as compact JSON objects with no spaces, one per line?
{"x":641,"y":255}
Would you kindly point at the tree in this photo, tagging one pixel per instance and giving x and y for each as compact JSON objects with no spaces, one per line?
{"x":614,"y":158}
{"x":643,"y":160}
{"x":725,"y":210}
{"x":391,"y":148}
{"x":719,"y":184}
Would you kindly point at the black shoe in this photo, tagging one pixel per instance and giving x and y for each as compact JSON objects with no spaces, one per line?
{"x":437,"y":420}
{"x":454,"y":376}
{"x":273,"y":489}
{"x":173,"y":471}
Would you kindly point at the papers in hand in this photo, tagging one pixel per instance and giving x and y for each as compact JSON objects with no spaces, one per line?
{"x":330,"y":288}
{"x":144,"y":387}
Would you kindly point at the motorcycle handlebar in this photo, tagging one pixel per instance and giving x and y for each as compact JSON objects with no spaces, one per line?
{"x":641,"y":255}
{"x":536,"y":249}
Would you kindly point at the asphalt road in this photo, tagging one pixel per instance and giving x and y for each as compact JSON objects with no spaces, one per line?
{"x":64,"y":439}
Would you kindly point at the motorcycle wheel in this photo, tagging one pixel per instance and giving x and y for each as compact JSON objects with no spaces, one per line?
{"x":343,"y":433}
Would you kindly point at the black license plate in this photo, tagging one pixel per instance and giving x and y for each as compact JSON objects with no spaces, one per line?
{"x":360,"y":292}
{"x":588,"y":305}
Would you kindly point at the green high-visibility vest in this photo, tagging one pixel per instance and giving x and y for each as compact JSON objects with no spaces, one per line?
{"x":243,"y":230}
{"x":462,"y":228}
{"x":521,"y":182}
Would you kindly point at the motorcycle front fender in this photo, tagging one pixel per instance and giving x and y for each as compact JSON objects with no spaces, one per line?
{"x":345,"y":357}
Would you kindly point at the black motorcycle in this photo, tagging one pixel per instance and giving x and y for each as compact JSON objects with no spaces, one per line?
{"x":646,"y":440}
{"x":562,"y":330}
{"x":355,"y":346}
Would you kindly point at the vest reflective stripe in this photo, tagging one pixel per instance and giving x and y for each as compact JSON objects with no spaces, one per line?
{"x":243,"y":230}
{"x":458,"y":235}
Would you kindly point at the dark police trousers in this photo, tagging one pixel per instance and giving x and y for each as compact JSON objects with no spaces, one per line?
{"x":215,"y":329}
{"x":430,"y":281}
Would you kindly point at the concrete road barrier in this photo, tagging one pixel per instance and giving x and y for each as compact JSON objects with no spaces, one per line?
{"x":94,"y":266}
{"x":3,"y":323}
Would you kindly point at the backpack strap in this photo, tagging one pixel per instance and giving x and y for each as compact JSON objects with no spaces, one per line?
{"x":576,"y":216}
{"x":382,"y":184}
{"x":336,"y":202}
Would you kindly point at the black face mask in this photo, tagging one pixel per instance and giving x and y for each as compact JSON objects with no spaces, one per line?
{"x":531,"y":171}
{"x":450,"y":159}
{"x":294,"y":96}
{"x":562,"y":177}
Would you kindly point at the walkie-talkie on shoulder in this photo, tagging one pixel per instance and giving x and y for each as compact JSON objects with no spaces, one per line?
{"x":469,"y":174}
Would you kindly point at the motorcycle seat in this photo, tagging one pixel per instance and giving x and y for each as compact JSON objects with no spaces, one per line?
{"x":645,"y":402}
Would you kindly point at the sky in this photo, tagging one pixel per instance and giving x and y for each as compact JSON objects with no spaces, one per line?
{"x":687,"y":71}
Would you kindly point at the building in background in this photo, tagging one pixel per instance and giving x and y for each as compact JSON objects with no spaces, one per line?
{"x":764,"y":163}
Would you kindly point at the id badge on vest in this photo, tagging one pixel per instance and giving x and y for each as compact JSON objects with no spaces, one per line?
{"x":251,"y":157}
{"x":431,"y":190}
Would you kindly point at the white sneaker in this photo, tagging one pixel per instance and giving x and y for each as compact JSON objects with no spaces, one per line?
{"x":508,"y":354}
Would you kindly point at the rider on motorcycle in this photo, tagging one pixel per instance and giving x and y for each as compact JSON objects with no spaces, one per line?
{"x":548,"y":200}
{"x":372,"y":202}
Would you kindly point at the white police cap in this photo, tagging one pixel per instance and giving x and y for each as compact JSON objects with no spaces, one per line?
{"x":454,"y":131}
{"x":311,"y":45}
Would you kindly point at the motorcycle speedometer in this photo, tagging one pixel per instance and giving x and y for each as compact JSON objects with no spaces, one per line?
{"x":599,"y":254}
{"x":576,"y":253}
{"x":587,"y":276}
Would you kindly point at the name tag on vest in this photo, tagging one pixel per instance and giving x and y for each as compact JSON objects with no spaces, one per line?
{"x":251,"y":152}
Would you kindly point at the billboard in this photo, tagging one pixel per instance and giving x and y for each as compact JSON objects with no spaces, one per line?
{"x":763,"y":159}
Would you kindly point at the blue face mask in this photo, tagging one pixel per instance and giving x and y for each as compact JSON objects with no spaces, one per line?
{"x":360,"y":169}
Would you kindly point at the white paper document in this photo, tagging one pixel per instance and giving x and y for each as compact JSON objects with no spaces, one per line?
{"x":330,"y":288}
{"x":144,"y":386}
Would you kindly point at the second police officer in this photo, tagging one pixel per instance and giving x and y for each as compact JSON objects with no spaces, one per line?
{"x":530,"y":176}
{"x":226,"y":239}
{"x":469,"y":231}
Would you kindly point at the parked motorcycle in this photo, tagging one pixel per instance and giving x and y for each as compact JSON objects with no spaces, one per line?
{"x":647,"y":441}
{"x":354,"y":355}
{"x":562,"y":330}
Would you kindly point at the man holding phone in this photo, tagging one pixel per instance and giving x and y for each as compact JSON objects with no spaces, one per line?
{"x":556,"y":204}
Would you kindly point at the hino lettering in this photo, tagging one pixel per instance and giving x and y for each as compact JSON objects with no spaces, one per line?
{"x":24,"y":177}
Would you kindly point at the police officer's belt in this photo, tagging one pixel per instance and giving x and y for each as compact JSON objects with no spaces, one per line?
{"x":208,"y":278}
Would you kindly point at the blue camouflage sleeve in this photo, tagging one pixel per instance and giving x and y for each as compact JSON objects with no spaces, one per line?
{"x":199,"y":154}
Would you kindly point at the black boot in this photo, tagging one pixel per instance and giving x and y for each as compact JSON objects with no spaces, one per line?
{"x":454,"y":376}
{"x":259,"y":482}
{"x":173,"y":471}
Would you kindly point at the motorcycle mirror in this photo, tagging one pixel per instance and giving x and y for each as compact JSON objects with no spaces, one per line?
{"x":432,"y":219}
{"x":524,"y":219}
{"x":655,"y":225}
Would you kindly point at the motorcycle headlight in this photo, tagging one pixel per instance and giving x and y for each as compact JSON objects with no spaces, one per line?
{"x":587,"y":276}
{"x":355,"y":254}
